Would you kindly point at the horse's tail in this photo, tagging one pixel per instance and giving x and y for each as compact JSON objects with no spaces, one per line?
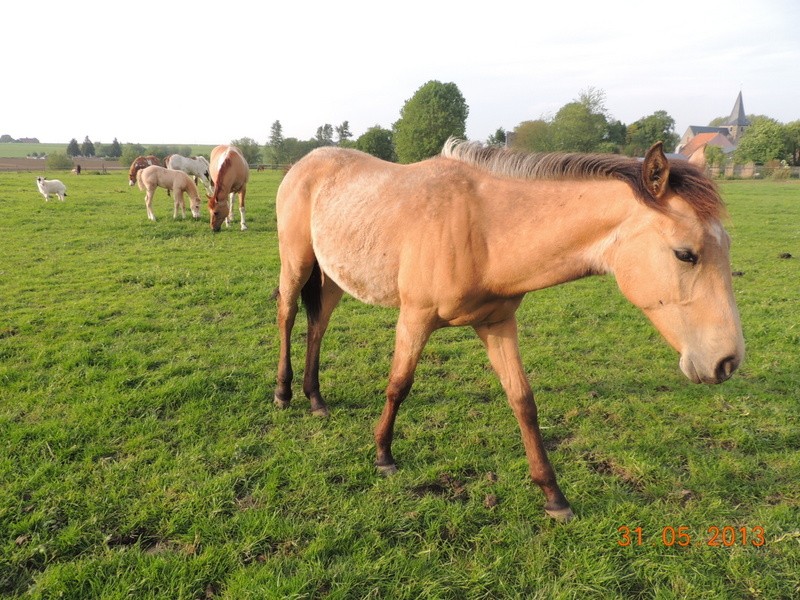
{"x":311,"y":294}
{"x":139,"y":179}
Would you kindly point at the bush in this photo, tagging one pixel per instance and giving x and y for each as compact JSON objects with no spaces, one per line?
{"x":59,"y":160}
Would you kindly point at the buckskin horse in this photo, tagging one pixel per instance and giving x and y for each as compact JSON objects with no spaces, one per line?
{"x":229,"y":173}
{"x":460,"y":238}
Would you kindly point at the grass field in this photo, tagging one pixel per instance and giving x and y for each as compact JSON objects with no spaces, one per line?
{"x":141,"y":455}
{"x":15,"y":150}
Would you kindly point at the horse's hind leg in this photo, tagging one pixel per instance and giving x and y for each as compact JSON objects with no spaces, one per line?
{"x":502,"y":346}
{"x":148,"y":202}
{"x":296,"y":270}
{"x":319,"y":316}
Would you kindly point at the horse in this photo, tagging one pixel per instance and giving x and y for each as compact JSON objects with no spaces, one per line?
{"x":229,"y":174}
{"x":459,"y":239}
{"x":197,"y":166}
{"x":178,"y":182}
{"x":139,"y":163}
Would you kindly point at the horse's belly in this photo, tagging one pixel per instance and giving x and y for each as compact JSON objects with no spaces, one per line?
{"x":361,"y":268}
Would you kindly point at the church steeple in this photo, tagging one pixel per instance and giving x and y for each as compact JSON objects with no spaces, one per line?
{"x":737,"y":122}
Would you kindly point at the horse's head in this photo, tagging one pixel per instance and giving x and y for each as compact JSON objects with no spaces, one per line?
{"x":219,"y":210}
{"x":672,"y":261}
{"x":194,"y":205}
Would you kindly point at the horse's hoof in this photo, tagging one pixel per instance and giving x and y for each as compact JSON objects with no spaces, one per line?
{"x":321,"y":412}
{"x":386,"y":470}
{"x":244,"y":227}
{"x":281,"y":403}
{"x":562,"y":515}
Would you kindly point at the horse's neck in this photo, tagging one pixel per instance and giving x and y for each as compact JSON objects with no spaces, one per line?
{"x":561,"y":231}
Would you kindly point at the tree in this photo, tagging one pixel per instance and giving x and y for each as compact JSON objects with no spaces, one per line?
{"x":763,"y":141}
{"x":115,"y":150}
{"x":276,"y":149}
{"x":378,"y":142}
{"x":250,"y":150}
{"x":793,"y":141}
{"x":129,"y":154}
{"x":6,"y":139}
{"x":533,"y":136}
{"x":434,"y":113}
{"x":648,"y":130}
{"x":343,"y":133}
{"x":87,"y":147}
{"x":581,"y":125}
{"x":498,"y":138}
{"x":715,"y":157}
{"x":72,"y":148}
{"x":296,"y":149}
{"x":324,"y":135}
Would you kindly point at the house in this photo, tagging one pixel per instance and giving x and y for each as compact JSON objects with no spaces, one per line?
{"x":726,"y":136}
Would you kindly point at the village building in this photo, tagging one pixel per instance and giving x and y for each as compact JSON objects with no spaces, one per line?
{"x":726,"y":136}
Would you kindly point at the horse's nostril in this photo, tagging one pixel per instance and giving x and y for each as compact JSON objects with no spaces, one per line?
{"x":726,"y":367}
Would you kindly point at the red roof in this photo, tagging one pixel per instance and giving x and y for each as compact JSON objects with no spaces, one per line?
{"x":702,"y":140}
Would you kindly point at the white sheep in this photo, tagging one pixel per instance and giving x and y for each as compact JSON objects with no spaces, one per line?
{"x":51,"y":186}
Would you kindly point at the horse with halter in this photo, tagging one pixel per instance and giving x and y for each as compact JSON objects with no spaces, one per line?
{"x":229,"y":174}
{"x":459,"y":239}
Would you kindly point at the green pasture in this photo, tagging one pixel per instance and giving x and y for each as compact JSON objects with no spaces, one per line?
{"x":21,"y":150}
{"x":141,"y":455}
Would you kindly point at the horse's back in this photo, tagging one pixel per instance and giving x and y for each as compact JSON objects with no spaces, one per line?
{"x":228,"y":168}
{"x":343,"y":207}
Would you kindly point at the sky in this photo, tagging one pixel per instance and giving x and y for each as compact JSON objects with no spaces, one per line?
{"x":199,"y":72}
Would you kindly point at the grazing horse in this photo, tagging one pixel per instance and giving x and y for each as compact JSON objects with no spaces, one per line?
{"x":177,"y":182}
{"x":139,"y":163}
{"x":229,"y":174}
{"x":459,"y":239}
{"x":197,"y":166}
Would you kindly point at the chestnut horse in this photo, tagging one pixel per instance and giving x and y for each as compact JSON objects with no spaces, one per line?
{"x":229,"y":174}
{"x":139,"y":163}
{"x":459,"y":239}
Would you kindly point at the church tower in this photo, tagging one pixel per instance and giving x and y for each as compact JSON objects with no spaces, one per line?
{"x":737,"y":123}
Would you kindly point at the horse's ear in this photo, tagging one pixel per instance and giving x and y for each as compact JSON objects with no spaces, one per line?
{"x":655,"y":170}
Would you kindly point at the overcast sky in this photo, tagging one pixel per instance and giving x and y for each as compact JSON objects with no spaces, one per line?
{"x":198,"y":72}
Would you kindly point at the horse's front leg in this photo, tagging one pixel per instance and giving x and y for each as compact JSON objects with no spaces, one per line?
{"x":242,"y":195}
{"x":502,"y":347}
{"x":180,"y":202}
{"x":411,"y":335}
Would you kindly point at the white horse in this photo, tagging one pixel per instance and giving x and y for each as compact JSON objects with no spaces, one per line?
{"x":197,"y":166}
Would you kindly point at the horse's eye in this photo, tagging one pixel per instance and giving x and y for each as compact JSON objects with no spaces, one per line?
{"x":686,"y":256}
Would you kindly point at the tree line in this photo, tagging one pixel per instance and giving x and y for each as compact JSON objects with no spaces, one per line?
{"x":437,"y":111}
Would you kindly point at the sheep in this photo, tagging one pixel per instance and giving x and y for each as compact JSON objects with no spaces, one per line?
{"x":51,"y":186}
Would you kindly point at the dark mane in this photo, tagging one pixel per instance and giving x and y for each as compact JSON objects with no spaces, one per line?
{"x":685,"y":179}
